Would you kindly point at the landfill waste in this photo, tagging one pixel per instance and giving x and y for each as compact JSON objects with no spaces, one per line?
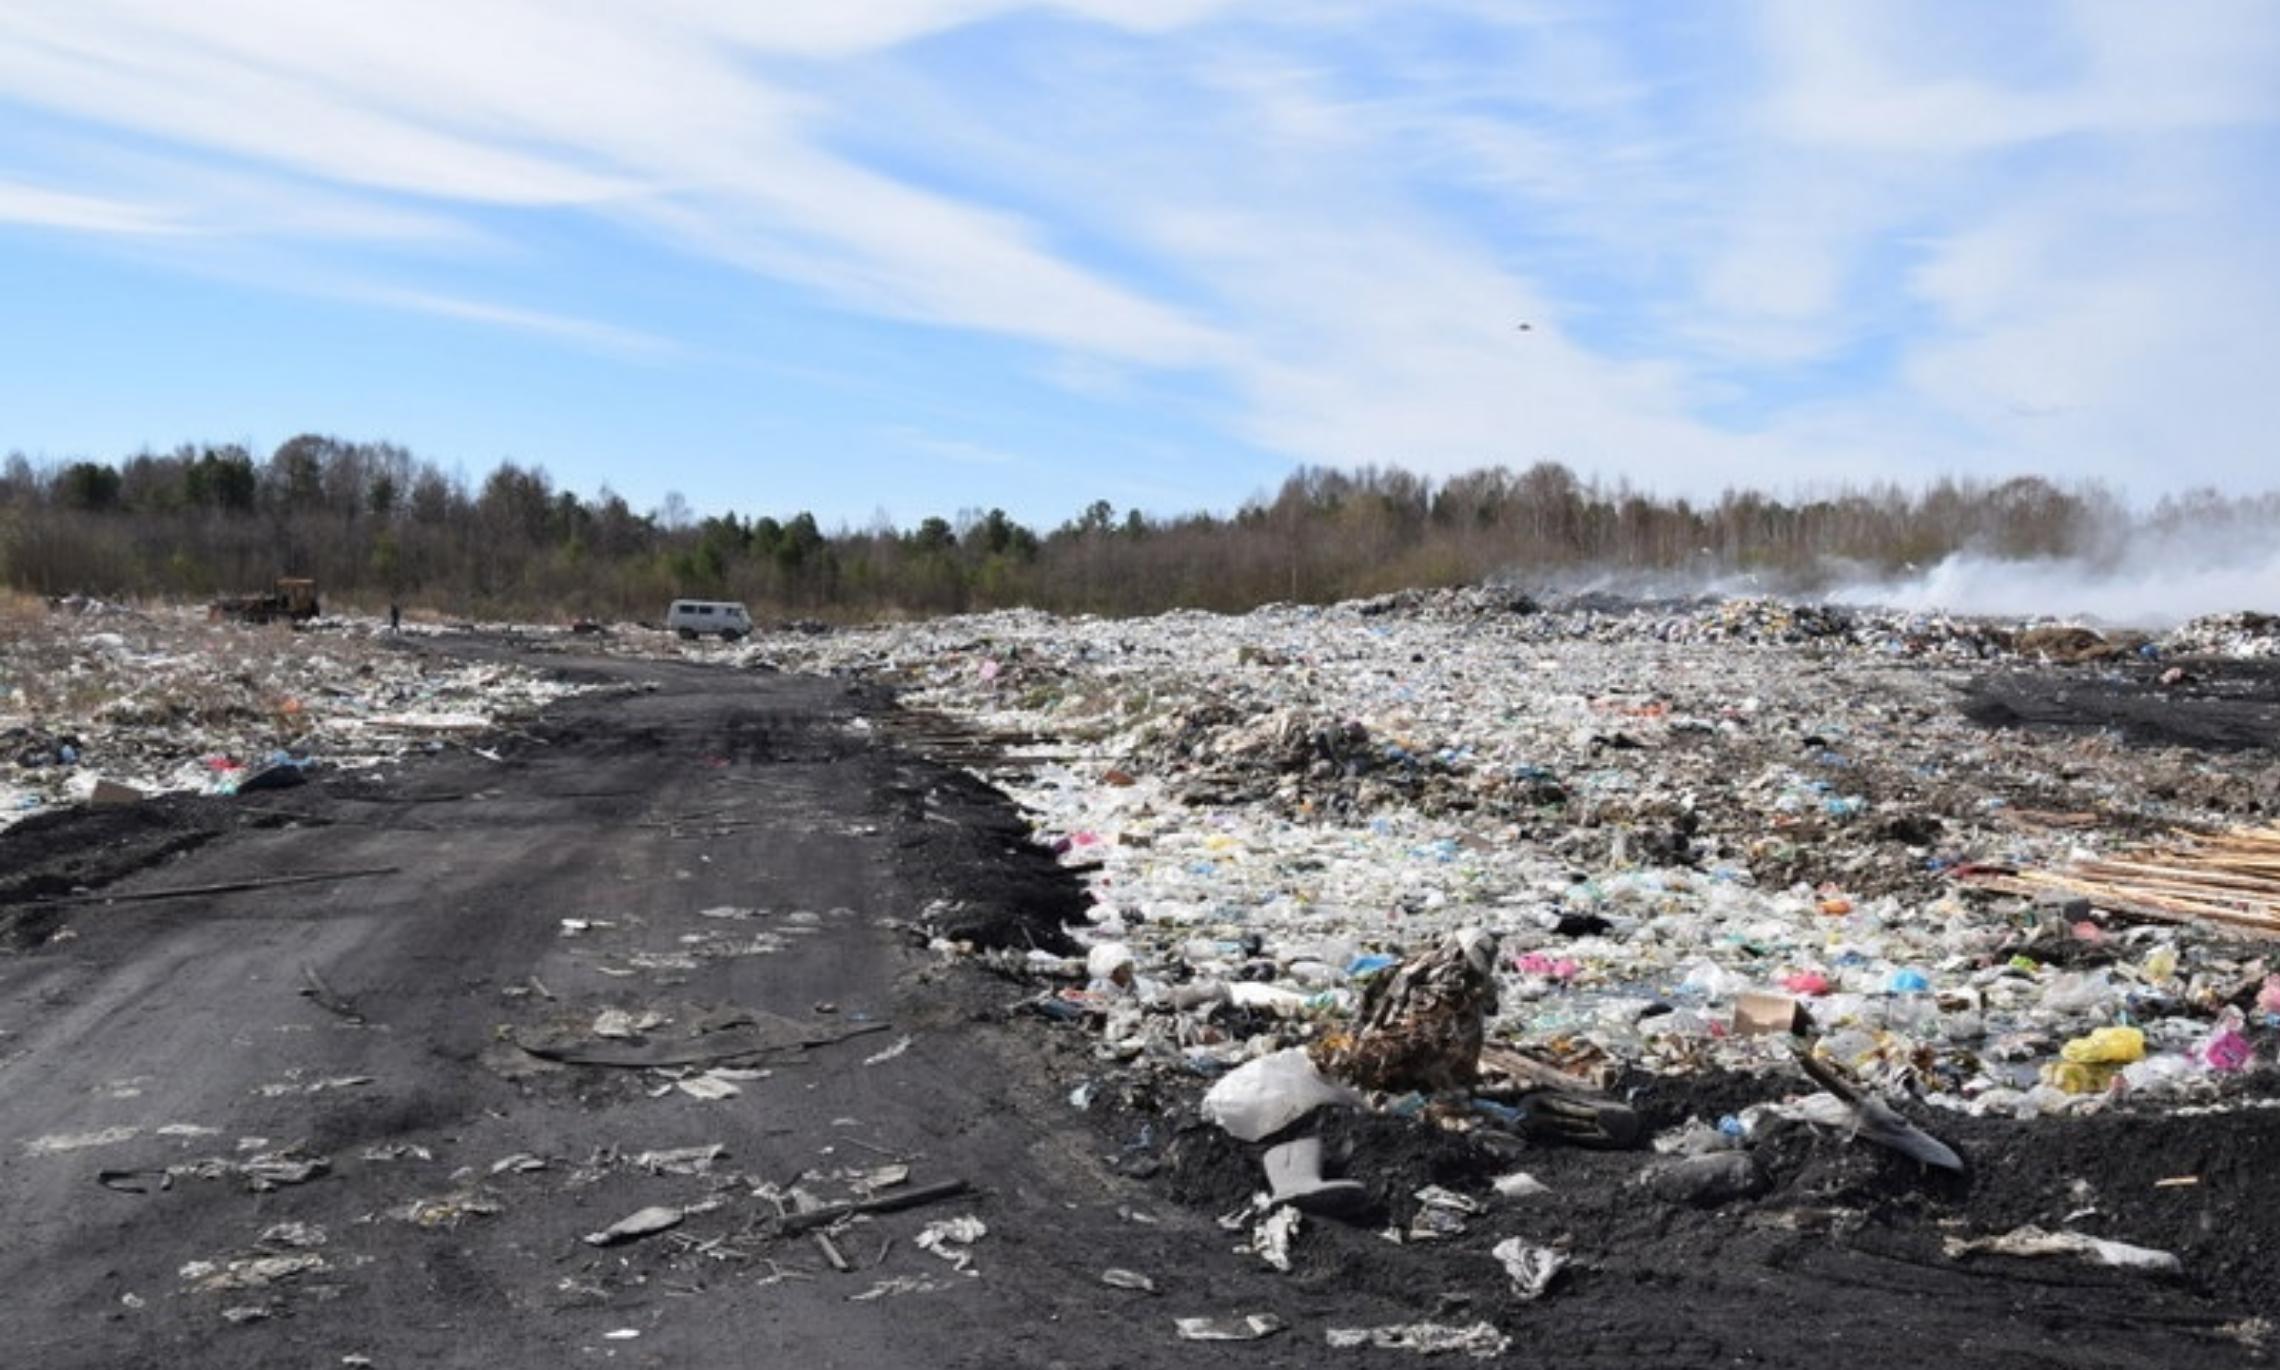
{"x":897,"y":1285}
{"x":1757,"y":1012}
{"x":1271,"y":1239}
{"x":141,"y":702}
{"x":634,"y":1226}
{"x":249,"y":1272}
{"x":1480,"y":1340}
{"x":1420,"y":1025}
{"x":1238,"y":1327}
{"x":2034,"y":1241}
{"x":950,"y":1239}
{"x":2089,"y":1063}
{"x":1268,"y":1094}
{"x":1521,"y":1185}
{"x":2230,"y":879}
{"x":261,"y":1172}
{"x":1437,"y":865}
{"x":1514,"y":880}
{"x":1531,"y":1268}
{"x":682,"y":1160}
{"x":888,"y":1053}
{"x":449,"y":1210}
{"x":1656,"y":810}
{"x":1441,"y":1213}
{"x":1868,"y":1117}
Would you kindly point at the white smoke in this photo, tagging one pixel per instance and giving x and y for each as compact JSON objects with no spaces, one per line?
{"x":2145,"y":577}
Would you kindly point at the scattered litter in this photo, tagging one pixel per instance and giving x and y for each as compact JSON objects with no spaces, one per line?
{"x":712,"y":1085}
{"x":1271,"y":1239}
{"x":949,"y":1239}
{"x":1521,"y":1185}
{"x":56,"y":1143}
{"x":262,"y":1171}
{"x":1481,"y":1340}
{"x":1873,"y":1120}
{"x":1532,"y":1268}
{"x":1268,"y":1094}
{"x":283,"y":1088}
{"x":899,"y":1284}
{"x":901,"y":1045}
{"x":448,"y":1210}
{"x":827,"y":1214}
{"x":870,"y":1182}
{"x":684,"y":1160}
{"x":249,"y":1272}
{"x":2034,"y":1241}
{"x":1239,"y":1327}
{"x":643,"y":1223}
{"x":1116,"y":1278}
{"x":291,"y":1235}
{"x":1441,"y":1213}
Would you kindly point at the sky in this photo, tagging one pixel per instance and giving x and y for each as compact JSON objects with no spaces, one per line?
{"x":916,"y":256}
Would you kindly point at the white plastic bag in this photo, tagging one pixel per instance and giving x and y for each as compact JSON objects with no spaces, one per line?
{"x":1270,"y":1093}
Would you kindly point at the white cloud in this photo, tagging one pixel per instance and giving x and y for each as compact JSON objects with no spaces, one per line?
{"x":589,"y":332}
{"x":1873,"y":238}
{"x":962,"y":451}
{"x":522,"y":104}
{"x":41,"y":207}
{"x":1899,"y":79}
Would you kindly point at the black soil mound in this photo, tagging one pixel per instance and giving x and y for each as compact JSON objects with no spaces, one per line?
{"x":2214,"y":705}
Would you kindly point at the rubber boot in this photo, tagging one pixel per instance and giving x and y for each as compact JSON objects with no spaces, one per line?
{"x":1294,"y":1177}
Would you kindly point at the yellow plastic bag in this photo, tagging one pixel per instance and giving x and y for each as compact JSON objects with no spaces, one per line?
{"x":2107,"y":1046}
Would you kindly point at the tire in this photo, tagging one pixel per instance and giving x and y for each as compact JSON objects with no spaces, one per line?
{"x":688,"y":634}
{"x":731,"y":635}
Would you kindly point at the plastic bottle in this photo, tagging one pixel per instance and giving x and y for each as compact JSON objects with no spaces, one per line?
{"x":1908,"y":1005}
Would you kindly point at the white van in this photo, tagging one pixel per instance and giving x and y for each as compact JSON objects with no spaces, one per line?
{"x":694,"y":618}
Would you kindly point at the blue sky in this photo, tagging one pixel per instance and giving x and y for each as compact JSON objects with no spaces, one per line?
{"x":922,"y":255}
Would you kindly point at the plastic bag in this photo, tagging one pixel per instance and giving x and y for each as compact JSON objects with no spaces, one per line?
{"x":1270,"y":1093}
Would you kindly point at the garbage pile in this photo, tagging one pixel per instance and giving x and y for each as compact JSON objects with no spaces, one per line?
{"x":104,"y":704}
{"x":1671,"y":839}
{"x":2242,"y":636}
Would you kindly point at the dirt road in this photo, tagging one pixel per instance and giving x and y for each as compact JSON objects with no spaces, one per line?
{"x":299,"y":1125}
{"x":730,"y":842}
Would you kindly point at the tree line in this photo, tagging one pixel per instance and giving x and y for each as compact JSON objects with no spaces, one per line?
{"x":374,"y":525}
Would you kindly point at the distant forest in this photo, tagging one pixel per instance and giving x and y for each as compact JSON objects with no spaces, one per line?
{"x":375,"y":524}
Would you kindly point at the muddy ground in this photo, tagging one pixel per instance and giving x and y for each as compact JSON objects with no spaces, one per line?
{"x":373,"y":1023}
